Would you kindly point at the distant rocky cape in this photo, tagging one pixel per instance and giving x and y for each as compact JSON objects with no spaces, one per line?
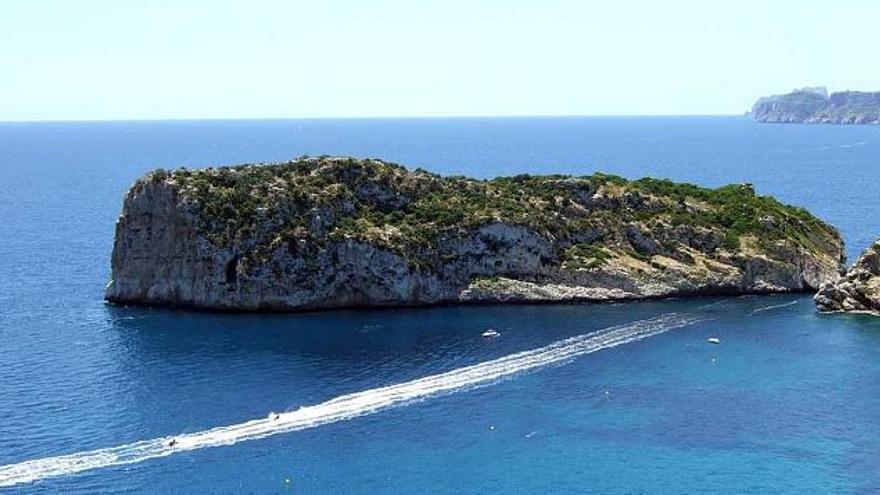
{"x":321,"y":233}
{"x":815,"y":106}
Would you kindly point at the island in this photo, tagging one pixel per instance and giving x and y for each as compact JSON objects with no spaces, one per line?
{"x":815,"y":106}
{"x":338,"y":232}
{"x":858,"y":291}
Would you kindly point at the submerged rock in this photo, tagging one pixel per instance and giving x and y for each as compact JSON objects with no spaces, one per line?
{"x":858,"y":290}
{"x":319,"y":233}
{"x":815,"y":106}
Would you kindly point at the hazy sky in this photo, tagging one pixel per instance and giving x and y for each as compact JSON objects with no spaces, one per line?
{"x":91,"y":59}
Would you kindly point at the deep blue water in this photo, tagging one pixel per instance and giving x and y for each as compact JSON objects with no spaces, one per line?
{"x":789,"y":403}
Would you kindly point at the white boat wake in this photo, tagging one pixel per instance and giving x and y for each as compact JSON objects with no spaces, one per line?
{"x":346,"y":406}
{"x":775,"y":306}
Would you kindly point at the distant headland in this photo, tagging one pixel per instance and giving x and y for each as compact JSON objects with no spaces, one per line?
{"x":320,"y":233}
{"x":816,"y":106}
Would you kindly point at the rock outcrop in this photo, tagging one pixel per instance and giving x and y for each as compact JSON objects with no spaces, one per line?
{"x":858,"y":290}
{"x":815,"y":106}
{"x":319,"y":233}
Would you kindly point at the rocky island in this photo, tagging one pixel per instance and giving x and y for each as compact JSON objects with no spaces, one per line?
{"x":318,"y":233}
{"x":858,"y":290}
{"x":815,"y":106}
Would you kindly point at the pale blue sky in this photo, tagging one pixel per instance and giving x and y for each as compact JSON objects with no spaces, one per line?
{"x":95,"y":59}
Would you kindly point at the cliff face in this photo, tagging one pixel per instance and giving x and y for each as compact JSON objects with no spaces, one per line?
{"x":815,"y":106}
{"x":858,"y":290}
{"x":338,"y":232}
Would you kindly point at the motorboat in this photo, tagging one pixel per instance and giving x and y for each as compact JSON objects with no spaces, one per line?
{"x":491,"y":333}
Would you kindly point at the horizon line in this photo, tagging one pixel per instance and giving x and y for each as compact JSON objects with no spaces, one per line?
{"x":403,"y":117}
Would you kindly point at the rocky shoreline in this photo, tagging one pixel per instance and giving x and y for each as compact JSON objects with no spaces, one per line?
{"x":327,"y":233}
{"x":858,"y":291}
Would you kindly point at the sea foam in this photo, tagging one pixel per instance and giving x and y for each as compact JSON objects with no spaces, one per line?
{"x":347,"y":406}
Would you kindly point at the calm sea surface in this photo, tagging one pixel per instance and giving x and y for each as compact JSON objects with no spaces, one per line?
{"x":787,"y":403}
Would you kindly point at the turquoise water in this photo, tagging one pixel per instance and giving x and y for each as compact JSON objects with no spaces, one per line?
{"x":787,"y":402}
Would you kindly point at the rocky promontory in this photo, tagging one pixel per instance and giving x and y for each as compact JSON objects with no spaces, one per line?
{"x":318,"y":233}
{"x":816,"y":106}
{"x":858,"y":290}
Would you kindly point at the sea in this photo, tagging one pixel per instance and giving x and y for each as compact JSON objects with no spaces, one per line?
{"x":570,"y":398}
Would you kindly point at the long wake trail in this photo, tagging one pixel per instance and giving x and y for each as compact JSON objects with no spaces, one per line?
{"x":775,"y":306}
{"x":346,"y":406}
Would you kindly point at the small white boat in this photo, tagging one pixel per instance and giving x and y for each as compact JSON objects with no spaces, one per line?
{"x":713,"y":340}
{"x":491,"y":333}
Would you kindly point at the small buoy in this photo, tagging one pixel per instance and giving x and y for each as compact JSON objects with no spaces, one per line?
{"x":607,"y":393}
{"x":713,"y":340}
{"x":714,"y":360}
{"x":492,"y":427}
{"x":286,"y":481}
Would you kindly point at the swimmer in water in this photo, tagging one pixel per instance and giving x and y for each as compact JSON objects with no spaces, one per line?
{"x":173,"y":442}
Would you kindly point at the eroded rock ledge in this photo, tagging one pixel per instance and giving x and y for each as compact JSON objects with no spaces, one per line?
{"x":858,"y":290}
{"x":318,"y":233}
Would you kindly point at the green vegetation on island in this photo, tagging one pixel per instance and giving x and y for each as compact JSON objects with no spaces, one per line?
{"x":332,"y":232}
{"x":328,"y":199}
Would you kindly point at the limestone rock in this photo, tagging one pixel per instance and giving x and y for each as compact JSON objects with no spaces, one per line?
{"x":856,"y":291}
{"x":319,"y":233}
{"x":815,"y":106}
